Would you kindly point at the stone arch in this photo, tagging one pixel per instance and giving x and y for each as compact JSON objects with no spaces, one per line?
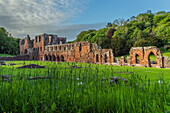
{"x":134,"y":53}
{"x":105,"y":58}
{"x":97,"y":58}
{"x":49,"y":57}
{"x":58,"y":58}
{"x":53,"y":57}
{"x":152,"y":60}
{"x":46,"y":57}
{"x":153,"y":51}
{"x":62,"y":58}
{"x":137,"y":59}
{"x":144,"y":54}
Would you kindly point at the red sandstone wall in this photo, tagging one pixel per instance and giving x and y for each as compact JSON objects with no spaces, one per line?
{"x":144,"y":54}
{"x":79,"y":52}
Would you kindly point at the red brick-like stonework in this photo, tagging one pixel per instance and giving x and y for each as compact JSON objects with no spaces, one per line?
{"x":52,"y":48}
{"x":49,"y":47}
{"x":144,"y":56}
{"x":78,"y":52}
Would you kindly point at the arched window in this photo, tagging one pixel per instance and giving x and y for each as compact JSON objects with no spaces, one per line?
{"x":61,"y":42}
{"x":36,"y":39}
{"x":80,"y":47}
{"x":39,"y":38}
{"x":25,"y":51}
{"x":97,"y":58}
{"x":105,"y":58}
{"x":56,"y":48}
{"x":137,"y":59}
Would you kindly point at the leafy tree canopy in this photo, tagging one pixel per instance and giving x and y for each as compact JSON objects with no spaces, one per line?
{"x":145,"y":29}
{"x":8,"y":44}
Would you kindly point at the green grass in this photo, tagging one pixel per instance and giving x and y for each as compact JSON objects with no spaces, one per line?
{"x":5,"y":55}
{"x":166,"y":54}
{"x":81,"y":89}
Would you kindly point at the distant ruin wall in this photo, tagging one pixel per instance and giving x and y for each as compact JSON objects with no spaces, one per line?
{"x":78,"y":52}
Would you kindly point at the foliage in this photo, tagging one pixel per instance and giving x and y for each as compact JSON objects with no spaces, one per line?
{"x":82,"y":34}
{"x":145,"y":29}
{"x":8,"y":44}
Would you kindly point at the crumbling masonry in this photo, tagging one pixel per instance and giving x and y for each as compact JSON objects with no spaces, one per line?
{"x":48,"y":47}
{"x":53,"y":48}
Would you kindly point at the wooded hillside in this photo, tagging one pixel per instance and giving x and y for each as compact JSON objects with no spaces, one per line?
{"x":146,"y":29}
{"x":8,"y":44}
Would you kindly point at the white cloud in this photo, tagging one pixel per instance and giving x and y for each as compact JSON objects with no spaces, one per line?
{"x":22,"y":17}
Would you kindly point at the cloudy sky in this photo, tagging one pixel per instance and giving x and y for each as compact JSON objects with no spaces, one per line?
{"x":69,"y":17}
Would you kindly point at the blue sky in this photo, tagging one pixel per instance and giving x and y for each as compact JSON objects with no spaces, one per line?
{"x":69,"y":17}
{"x":108,"y":10}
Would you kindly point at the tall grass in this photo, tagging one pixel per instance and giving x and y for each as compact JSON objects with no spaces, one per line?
{"x":81,"y":90}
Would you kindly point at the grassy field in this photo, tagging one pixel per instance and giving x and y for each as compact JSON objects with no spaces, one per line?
{"x":5,"y":55}
{"x":166,"y":54}
{"x":81,"y":89}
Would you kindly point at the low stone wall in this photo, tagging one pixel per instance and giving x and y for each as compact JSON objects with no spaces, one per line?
{"x":15,"y":58}
{"x":166,"y":62}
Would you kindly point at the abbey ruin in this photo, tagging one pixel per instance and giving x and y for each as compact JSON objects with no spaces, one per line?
{"x":49,"y":47}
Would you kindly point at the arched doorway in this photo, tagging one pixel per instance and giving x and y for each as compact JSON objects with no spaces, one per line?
{"x":137,"y":59}
{"x":45,"y":57}
{"x":152,"y":60}
{"x":62,"y":58}
{"x":97,"y":58}
{"x":105,"y":58}
{"x":53,"y":58}
{"x":58,"y":58}
{"x":49,"y":58}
